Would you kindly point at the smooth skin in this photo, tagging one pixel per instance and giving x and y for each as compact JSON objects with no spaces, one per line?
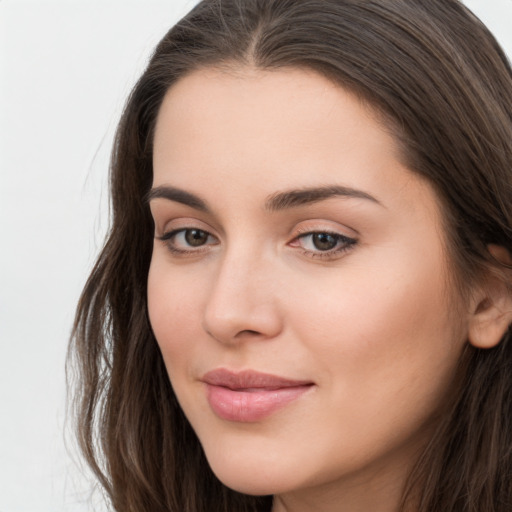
{"x":350,"y":291}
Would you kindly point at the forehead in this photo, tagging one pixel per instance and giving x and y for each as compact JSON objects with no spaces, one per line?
{"x":236,"y":95}
{"x":291,"y":120}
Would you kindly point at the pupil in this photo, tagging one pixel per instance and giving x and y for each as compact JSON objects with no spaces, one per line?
{"x":324,"y":241}
{"x":196,"y":237}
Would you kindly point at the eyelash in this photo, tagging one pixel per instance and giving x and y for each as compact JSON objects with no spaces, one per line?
{"x":167,"y":239}
{"x":343,"y":244}
{"x":346,"y":242}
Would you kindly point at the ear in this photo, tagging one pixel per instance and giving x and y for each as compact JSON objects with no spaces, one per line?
{"x":491,"y":312}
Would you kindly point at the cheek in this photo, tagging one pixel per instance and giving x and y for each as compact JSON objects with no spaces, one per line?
{"x":383,"y":331}
{"x":174,"y":313}
{"x":384,"y":346}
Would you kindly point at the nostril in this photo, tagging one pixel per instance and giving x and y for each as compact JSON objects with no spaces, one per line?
{"x":248,"y":331}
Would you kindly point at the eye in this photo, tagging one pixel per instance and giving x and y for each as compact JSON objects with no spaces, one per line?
{"x":195,"y":237}
{"x":323,"y":243}
{"x":187,"y":240}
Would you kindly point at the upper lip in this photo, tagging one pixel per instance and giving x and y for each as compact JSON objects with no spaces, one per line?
{"x":250,"y":379}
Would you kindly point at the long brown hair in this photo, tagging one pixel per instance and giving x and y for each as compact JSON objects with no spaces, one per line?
{"x":444,"y":87}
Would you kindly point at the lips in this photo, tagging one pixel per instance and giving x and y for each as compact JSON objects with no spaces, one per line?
{"x":250,"y":396}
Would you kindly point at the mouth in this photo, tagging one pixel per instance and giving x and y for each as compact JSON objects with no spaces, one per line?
{"x":250,"y":396}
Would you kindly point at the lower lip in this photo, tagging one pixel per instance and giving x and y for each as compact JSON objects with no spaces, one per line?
{"x":248,"y":406}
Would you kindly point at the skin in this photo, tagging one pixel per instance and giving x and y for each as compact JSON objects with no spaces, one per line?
{"x":377,"y":327}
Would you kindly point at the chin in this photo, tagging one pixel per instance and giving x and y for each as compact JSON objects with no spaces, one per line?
{"x":256,"y":476}
{"x":250,"y":486}
{"x":253,"y":485}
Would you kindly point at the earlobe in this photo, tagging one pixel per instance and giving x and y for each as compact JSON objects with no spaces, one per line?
{"x":492,"y":310}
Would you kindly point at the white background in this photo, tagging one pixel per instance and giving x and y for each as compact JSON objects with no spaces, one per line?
{"x":66,"y":68}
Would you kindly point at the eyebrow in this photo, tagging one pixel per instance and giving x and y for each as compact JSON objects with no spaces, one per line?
{"x":275,"y":202}
{"x":178,"y":195}
{"x":303,"y":196}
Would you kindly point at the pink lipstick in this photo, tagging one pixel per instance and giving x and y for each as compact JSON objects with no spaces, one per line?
{"x":250,"y":396}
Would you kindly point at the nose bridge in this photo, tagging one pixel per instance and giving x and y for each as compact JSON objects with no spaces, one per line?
{"x":242,"y":300}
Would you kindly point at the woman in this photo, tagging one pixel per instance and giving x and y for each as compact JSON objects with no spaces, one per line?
{"x":303,"y":303}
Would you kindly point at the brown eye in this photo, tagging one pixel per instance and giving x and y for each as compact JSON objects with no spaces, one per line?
{"x":196,"y":237}
{"x":188,"y":240}
{"x":324,"y":241}
{"x":322,"y":244}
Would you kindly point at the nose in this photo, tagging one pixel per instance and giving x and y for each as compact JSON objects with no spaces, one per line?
{"x":242,"y":304}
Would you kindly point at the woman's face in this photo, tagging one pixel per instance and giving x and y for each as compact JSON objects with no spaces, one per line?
{"x":298,"y":287}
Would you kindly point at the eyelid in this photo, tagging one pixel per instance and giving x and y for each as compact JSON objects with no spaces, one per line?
{"x":325,"y":226}
{"x":167,"y":231}
{"x":173,"y":228}
{"x":169,"y":240}
{"x":348,"y":242}
{"x":334,"y":234}
{"x":166,"y":224}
